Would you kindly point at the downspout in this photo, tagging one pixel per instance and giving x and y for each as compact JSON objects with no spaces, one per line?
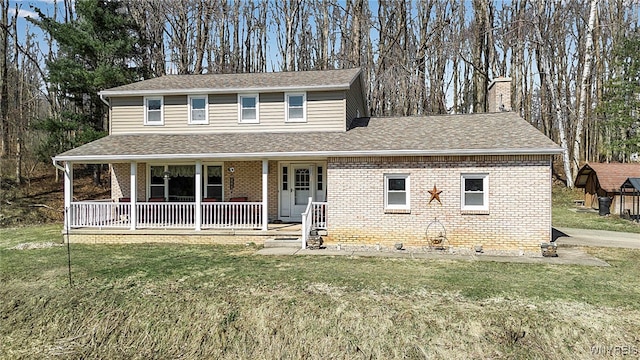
{"x":55,"y":163}
{"x":66,"y":211}
{"x":102,"y":99}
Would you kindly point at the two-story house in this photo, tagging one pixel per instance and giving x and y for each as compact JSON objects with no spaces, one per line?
{"x":226,"y":158}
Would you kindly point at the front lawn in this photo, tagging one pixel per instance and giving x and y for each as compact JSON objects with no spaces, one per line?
{"x":188,"y":301}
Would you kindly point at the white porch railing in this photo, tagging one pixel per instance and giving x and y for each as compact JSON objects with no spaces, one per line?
{"x":227,"y":215}
{"x":319,"y":216}
{"x":314,"y":218}
{"x":165,"y":215}
{"x":235,"y":215}
{"x":99,"y":214}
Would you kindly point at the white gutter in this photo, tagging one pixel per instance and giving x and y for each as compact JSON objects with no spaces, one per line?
{"x":55,"y":163}
{"x":111,"y":93}
{"x":102,"y":98}
{"x":317,"y":154}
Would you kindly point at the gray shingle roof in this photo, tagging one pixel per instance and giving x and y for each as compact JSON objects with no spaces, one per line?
{"x":476,"y":134}
{"x":245,"y":81}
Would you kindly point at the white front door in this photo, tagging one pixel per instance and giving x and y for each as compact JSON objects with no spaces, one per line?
{"x":298,"y":182}
{"x":302,"y":186}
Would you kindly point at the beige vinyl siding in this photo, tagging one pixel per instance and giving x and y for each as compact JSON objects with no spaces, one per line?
{"x":272,"y":110}
{"x":223,"y":113}
{"x":176,"y":116}
{"x":127,"y":115}
{"x":325,"y":112}
{"x":355,"y":101}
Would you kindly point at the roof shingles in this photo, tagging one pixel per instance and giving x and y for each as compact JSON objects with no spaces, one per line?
{"x":610,"y":176}
{"x":247,"y":81}
{"x":430,"y":135}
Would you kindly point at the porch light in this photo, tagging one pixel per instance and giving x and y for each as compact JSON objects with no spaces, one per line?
{"x":166,"y":175}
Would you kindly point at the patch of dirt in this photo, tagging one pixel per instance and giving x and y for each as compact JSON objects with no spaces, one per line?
{"x":39,"y":200}
{"x":35,"y":245}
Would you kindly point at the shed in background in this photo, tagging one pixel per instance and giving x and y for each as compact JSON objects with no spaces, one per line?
{"x":630,"y":188}
{"x":602,"y":179}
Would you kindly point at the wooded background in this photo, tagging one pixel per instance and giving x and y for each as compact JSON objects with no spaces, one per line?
{"x":573,"y":64}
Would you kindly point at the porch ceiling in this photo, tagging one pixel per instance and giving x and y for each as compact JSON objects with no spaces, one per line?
{"x":477,"y":134}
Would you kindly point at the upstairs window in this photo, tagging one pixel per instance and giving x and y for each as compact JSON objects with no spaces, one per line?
{"x":475,"y":192}
{"x":295,"y":107}
{"x":248,"y":108}
{"x":396,"y":192}
{"x":153,"y":111}
{"x":198,"y":110}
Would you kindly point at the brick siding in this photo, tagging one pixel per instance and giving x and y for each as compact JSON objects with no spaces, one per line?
{"x":499,"y":94}
{"x":247,"y":180}
{"x":105,"y":237}
{"x":519,"y":216}
{"x":120,"y":181}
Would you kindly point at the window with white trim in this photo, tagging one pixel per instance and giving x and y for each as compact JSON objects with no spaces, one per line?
{"x":156,"y":181}
{"x":248,"y":108}
{"x":213,"y":187}
{"x":153,"y":114}
{"x":475,"y":192}
{"x":397,"y":192}
{"x":198,"y":109}
{"x":295,"y":107}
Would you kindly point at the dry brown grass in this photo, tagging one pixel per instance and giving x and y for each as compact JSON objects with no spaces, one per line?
{"x":318,"y":322}
{"x":191,"y":302}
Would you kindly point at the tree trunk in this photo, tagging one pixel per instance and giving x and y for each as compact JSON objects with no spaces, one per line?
{"x":20,"y":105}
{"x":585,"y":88}
{"x":4,"y":83}
{"x":555,"y":99}
{"x":480,"y":67}
{"x":202,"y":33}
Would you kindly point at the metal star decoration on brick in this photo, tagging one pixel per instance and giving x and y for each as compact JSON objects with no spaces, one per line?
{"x":435,"y":194}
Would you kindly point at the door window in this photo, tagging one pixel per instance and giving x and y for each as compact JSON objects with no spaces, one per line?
{"x":302,"y":186}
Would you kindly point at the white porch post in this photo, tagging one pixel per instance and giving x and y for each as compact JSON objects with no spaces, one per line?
{"x":265,"y":194}
{"x":68,"y":193}
{"x":133,"y":216}
{"x":198,"y":213}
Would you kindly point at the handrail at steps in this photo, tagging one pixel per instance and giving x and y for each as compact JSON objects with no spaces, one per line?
{"x":306,"y":223}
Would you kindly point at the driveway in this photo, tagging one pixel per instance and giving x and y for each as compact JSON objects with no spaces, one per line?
{"x":583,"y":237}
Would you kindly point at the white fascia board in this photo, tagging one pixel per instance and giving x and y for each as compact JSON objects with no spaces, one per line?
{"x":113,"y":93}
{"x":310,"y":154}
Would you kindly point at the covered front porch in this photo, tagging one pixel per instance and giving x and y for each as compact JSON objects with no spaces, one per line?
{"x":107,"y":214}
{"x":203,"y":198}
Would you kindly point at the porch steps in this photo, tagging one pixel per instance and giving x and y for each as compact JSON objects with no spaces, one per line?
{"x":283,"y":242}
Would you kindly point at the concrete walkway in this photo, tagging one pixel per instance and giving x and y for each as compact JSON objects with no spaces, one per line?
{"x":566,"y":256}
{"x":596,"y":238}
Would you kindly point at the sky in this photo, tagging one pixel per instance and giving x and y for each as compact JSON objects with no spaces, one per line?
{"x":25,"y":8}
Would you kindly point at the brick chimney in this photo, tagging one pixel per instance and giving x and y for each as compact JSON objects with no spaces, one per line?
{"x":499,"y":95}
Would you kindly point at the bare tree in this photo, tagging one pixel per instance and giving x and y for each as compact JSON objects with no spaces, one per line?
{"x":585,"y":89}
{"x":4,"y":71}
{"x":481,"y":52}
{"x":553,"y":89}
